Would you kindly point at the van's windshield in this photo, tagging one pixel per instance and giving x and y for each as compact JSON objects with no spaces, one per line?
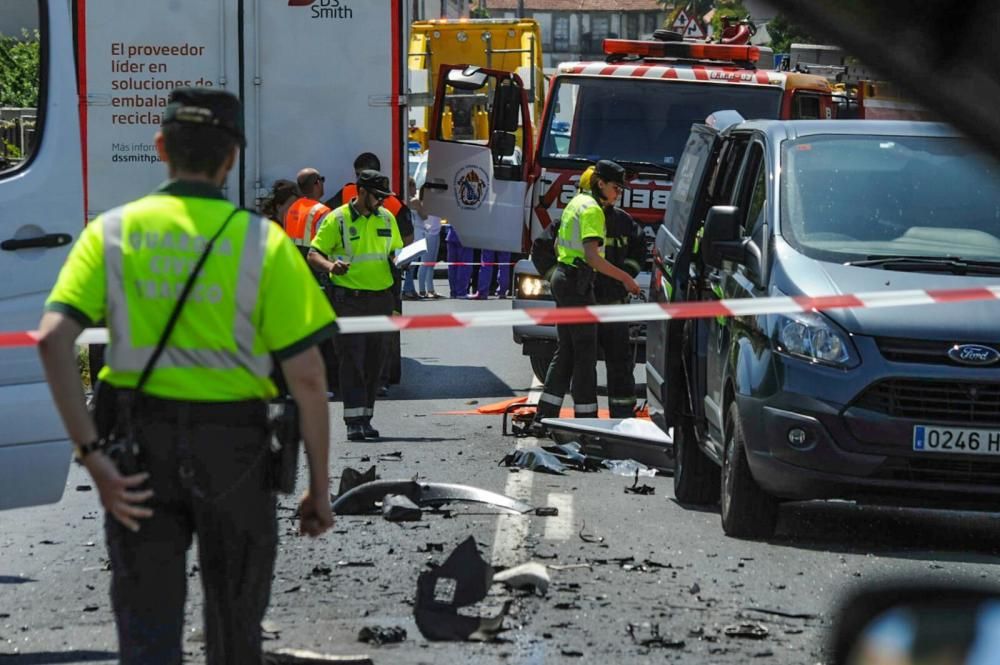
{"x":854,"y":198}
{"x":643,"y":122}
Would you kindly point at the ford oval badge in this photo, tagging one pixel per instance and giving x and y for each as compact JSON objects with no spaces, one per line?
{"x":973,"y":354}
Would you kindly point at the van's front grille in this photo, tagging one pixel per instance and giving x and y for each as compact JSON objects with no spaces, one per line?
{"x":934,"y":401}
{"x":977,"y":471}
{"x":923,"y":351}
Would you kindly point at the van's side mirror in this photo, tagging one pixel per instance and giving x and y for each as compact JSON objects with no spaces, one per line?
{"x":506,"y":107}
{"x":502,"y":144}
{"x":721,"y":239}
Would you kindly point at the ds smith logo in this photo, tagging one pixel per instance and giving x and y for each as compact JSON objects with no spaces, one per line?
{"x":335,"y":9}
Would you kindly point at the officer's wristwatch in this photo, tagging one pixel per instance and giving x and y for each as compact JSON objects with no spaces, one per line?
{"x":80,"y":452}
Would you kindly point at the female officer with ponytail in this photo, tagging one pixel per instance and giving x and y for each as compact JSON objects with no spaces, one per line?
{"x":580,"y":252}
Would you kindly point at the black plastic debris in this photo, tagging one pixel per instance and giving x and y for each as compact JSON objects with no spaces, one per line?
{"x":589,"y":538}
{"x":364,"y":499}
{"x":648,"y":635}
{"x":351,"y":478}
{"x":382,"y":634}
{"x":397,"y":508}
{"x":636,"y":488}
{"x":571,"y":454}
{"x":547,"y":511}
{"x":461,"y":581}
{"x":749,"y":631}
{"x":781,"y":613}
{"x":535,"y":459}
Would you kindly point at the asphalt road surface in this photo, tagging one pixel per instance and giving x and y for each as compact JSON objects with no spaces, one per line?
{"x":647,"y":562}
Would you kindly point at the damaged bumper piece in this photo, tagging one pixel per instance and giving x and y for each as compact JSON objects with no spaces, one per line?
{"x":363,"y":499}
{"x":617,"y":438}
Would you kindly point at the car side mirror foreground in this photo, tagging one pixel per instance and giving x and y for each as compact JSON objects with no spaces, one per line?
{"x":903,"y":622}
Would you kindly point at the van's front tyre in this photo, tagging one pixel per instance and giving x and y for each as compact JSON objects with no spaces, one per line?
{"x":696,"y":478}
{"x":747,"y":510}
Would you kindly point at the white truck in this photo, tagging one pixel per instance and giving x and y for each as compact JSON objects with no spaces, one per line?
{"x":320,"y":80}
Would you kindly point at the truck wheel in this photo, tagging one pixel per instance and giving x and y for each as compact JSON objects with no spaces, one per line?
{"x":696,"y":478}
{"x":540,"y":364}
{"x":747,"y":510}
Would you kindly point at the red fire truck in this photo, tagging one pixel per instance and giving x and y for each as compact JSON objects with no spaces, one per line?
{"x":635,"y":107}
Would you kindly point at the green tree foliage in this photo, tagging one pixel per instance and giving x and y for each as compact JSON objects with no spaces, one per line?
{"x":784,"y":33}
{"x":19,"y":78}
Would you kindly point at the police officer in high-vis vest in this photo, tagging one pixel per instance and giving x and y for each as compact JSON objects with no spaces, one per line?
{"x":197,"y":434}
{"x":355,"y":245}
{"x":580,"y":252}
{"x":625,"y":248}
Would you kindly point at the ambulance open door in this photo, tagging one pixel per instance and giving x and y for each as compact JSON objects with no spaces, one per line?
{"x":478,"y":157}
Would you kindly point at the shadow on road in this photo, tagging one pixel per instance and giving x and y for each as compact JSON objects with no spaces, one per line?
{"x":53,"y":657}
{"x":905,"y":533}
{"x":427,"y":380}
{"x":15,"y":579}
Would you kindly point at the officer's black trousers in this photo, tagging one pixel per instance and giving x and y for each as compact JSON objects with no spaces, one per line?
{"x":575,"y":359}
{"x":209,"y":479}
{"x":620,"y":365}
{"x":360,"y":357}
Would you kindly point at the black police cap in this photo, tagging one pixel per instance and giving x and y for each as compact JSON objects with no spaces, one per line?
{"x":374,"y":182}
{"x":610,"y":171}
{"x":205,"y":106}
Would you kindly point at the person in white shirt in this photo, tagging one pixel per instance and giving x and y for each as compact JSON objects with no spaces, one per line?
{"x":429,"y":226}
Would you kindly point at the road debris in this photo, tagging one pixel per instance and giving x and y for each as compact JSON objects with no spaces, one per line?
{"x":382,"y":634}
{"x":547,"y":511}
{"x":750,"y":631}
{"x":531,"y":575}
{"x":589,"y":538}
{"x":364,"y":499}
{"x":628,"y":467}
{"x":535,"y":459}
{"x":461,"y":581}
{"x":351,"y":478}
{"x":652,"y":640}
{"x":397,"y":508}
{"x":300,"y":657}
{"x":781,"y":613}
{"x":636,"y":488}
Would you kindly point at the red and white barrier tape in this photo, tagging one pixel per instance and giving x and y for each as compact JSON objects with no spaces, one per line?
{"x":447,"y":264}
{"x":612,"y":313}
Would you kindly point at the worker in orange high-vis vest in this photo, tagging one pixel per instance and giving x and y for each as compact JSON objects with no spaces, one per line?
{"x":305,"y":215}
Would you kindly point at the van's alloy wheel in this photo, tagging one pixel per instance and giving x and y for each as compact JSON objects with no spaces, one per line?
{"x":696,"y":478}
{"x":747,"y":510}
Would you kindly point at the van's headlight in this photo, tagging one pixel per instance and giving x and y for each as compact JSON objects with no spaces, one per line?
{"x":813,"y":337}
{"x":529,"y":286}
